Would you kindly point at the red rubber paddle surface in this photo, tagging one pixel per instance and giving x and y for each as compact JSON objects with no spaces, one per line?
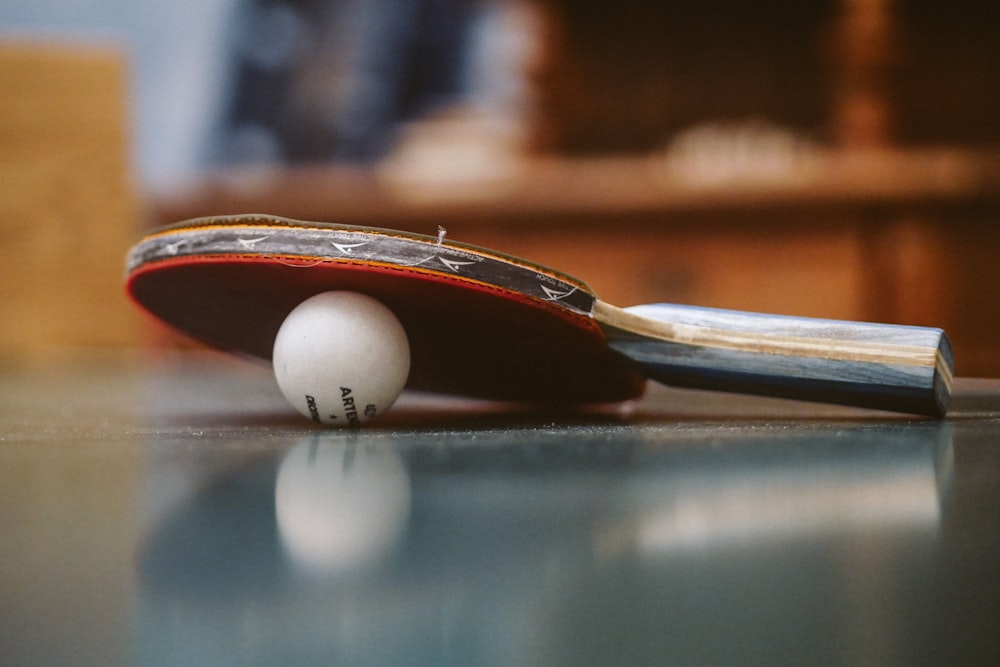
{"x":466,"y":338}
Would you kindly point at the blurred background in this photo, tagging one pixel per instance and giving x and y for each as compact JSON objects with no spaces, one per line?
{"x":835,"y":158}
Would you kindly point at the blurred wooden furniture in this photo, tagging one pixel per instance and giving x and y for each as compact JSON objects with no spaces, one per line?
{"x":67,"y":207}
{"x":889,"y":213}
{"x":892,"y":236}
{"x":629,"y":76}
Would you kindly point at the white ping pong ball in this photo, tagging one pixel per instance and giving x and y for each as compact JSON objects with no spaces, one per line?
{"x":341,"y":358}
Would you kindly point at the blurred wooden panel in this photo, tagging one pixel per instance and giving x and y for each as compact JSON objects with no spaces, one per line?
{"x":956,"y":281}
{"x":67,"y":208}
{"x":618,"y":77}
{"x":946,"y":80}
{"x":614,"y":77}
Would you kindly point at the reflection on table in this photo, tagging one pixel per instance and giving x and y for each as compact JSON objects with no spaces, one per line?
{"x":597,"y":544}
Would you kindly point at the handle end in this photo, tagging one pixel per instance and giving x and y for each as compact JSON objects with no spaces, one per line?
{"x":879,"y":366}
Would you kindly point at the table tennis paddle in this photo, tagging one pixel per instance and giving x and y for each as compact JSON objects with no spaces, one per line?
{"x":483,"y":324}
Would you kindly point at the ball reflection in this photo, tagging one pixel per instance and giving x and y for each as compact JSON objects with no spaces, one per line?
{"x":340,"y":507}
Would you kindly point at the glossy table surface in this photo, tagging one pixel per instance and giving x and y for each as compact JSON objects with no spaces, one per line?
{"x":174,"y":511}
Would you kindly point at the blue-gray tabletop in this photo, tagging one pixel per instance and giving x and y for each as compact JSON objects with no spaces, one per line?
{"x":172,"y":510}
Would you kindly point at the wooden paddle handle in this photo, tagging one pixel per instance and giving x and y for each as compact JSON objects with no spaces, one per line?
{"x":881,"y":366}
